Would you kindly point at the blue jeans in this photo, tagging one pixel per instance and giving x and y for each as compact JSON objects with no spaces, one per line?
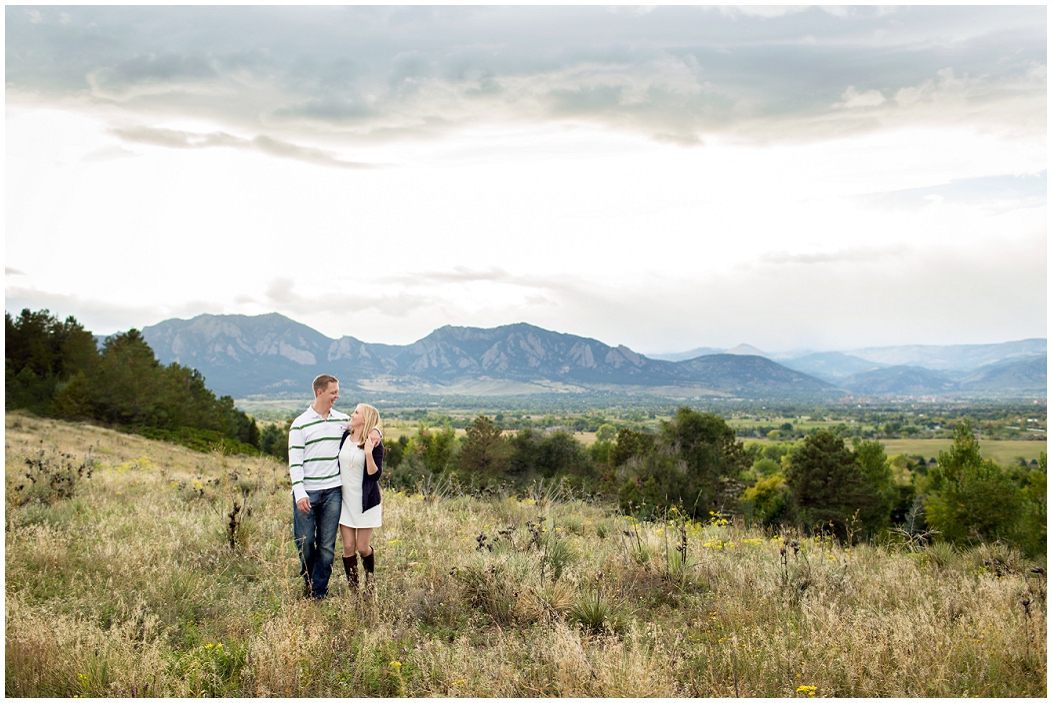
{"x":315,"y":535}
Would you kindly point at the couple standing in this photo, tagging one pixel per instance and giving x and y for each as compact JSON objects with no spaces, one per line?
{"x":335,"y":462}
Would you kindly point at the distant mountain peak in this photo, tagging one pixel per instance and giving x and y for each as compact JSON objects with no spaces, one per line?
{"x":747,"y":350}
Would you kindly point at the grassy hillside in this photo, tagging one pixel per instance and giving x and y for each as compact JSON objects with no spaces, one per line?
{"x":138,"y":584}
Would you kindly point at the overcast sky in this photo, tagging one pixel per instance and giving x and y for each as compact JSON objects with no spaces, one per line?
{"x":815,"y":178}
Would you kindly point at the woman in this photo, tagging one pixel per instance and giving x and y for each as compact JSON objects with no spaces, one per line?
{"x":361,"y":463}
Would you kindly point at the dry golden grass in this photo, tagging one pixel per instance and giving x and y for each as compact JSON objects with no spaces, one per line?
{"x":132,"y":588}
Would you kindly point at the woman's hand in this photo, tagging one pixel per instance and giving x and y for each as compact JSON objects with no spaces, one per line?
{"x":372,"y":440}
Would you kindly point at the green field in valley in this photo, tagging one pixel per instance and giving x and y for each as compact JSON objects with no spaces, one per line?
{"x":1003,"y":451}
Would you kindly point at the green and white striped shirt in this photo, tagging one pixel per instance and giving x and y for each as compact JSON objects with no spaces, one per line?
{"x":314,"y":446}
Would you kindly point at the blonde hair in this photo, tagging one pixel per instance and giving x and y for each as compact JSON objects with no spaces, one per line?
{"x":372,"y":419}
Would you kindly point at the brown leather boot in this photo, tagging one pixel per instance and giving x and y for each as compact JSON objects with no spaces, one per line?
{"x":350,"y":565}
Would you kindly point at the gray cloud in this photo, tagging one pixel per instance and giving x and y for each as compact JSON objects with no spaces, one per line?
{"x":177,"y":139}
{"x":330,"y":108}
{"x":152,"y":68}
{"x":98,"y":316}
{"x":8,"y":271}
{"x":671,"y":72}
{"x":546,"y":288}
{"x":586,"y":99}
{"x":280,"y":293}
{"x":408,"y":70}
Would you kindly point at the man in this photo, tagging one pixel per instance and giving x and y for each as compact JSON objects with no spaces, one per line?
{"x":314,"y":443}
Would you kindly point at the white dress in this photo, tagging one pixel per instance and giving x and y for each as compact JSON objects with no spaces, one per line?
{"x":352,"y":469}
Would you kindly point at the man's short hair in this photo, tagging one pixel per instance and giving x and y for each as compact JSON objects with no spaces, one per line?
{"x":322,"y":382}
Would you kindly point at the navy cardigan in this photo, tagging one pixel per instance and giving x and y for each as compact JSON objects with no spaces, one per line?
{"x":370,"y":483}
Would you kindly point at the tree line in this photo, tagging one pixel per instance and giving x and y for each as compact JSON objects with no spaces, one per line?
{"x":696,"y":464}
{"x":55,"y":368}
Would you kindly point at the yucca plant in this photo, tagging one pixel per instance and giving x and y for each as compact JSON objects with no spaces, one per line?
{"x":558,"y":597}
{"x":489,"y":588}
{"x":545,"y":495}
{"x":557,"y":556}
{"x":636,"y":548}
{"x":595,"y":613}
{"x":941,"y":554}
{"x":433,"y":489}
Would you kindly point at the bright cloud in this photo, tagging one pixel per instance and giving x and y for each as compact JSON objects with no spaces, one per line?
{"x":666,"y":177}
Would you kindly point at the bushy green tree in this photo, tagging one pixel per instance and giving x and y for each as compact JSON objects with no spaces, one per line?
{"x":239,"y":426}
{"x":766,"y":467}
{"x":562,"y":455}
{"x":1031,"y":532}
{"x":630,"y":444}
{"x":526,"y":455}
{"x":41,"y":354}
{"x":973,"y":499}
{"x":434,"y":447}
{"x":767,"y":500}
{"x":485,"y":455}
{"x":550,"y":455}
{"x":126,"y":386}
{"x":714,"y":458}
{"x":394,"y":451}
{"x":695,"y":463}
{"x":776,"y":450}
{"x":411,"y":473}
{"x":605,"y":433}
{"x":601,"y":453}
{"x":875,"y":515}
{"x":274,"y":440}
{"x":828,"y":485}
{"x":630,"y":497}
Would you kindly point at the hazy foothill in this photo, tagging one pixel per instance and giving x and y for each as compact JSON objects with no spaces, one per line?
{"x":637,"y":548}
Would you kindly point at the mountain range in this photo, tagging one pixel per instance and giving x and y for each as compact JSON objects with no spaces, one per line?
{"x":272,"y":355}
